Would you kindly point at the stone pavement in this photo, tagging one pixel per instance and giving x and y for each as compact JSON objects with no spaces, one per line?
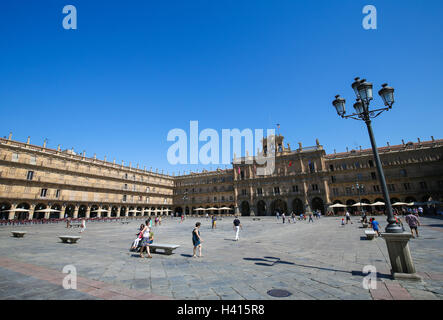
{"x":320,"y":260}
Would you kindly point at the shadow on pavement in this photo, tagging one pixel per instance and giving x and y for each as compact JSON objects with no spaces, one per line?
{"x":277,"y":260}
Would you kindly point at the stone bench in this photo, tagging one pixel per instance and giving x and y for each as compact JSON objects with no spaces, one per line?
{"x":255,"y":219}
{"x":168,"y":248}
{"x":69,"y":239}
{"x":370,"y":234}
{"x":75,"y":224}
{"x":18,"y":234}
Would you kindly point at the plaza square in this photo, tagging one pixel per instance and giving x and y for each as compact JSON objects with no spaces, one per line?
{"x":311,"y":260}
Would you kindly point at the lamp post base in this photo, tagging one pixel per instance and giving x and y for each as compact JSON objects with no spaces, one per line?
{"x":400,"y":255}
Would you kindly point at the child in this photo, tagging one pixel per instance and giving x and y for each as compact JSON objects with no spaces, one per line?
{"x":375,"y":226}
{"x":139,"y":237}
{"x":342,"y":221}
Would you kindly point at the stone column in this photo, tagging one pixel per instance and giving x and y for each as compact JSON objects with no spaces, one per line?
{"x":99,"y":214}
{"x":302,"y":166}
{"x":62,"y":212}
{"x":88,"y":212}
{"x":11,"y":215}
{"x":31,"y":212}
{"x":75,"y":214}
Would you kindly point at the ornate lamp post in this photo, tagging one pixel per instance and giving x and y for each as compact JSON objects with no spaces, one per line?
{"x":359,"y":188}
{"x":396,"y":238}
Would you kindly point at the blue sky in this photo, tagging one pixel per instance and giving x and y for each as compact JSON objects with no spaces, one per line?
{"x":133,"y":70}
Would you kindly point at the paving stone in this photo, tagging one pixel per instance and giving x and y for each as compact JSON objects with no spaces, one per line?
{"x":330,"y":267}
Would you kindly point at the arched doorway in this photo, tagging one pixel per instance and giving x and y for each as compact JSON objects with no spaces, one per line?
{"x":25,"y":214}
{"x":4,"y":207}
{"x":297,"y":206}
{"x":261,"y":208}
{"x":93,"y":212}
{"x":39,"y":215}
{"x":317,"y":205}
{"x":139,"y":212}
{"x":69,"y":210}
{"x":114,"y":211}
{"x":278,"y":206}
{"x":394,"y":200}
{"x":122,"y":211}
{"x":82,"y":211}
{"x":350,"y":208}
{"x":105,"y":214}
{"x":55,"y":214}
{"x":339,"y":211}
{"x":131,"y":211}
{"x":245,"y":209}
{"x":366,"y":208}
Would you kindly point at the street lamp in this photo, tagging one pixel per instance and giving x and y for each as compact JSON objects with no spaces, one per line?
{"x":185,"y":199}
{"x":359,"y":188}
{"x":396,"y":238}
{"x":363,"y":91}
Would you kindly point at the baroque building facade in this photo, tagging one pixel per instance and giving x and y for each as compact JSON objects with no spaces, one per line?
{"x":42,"y":183}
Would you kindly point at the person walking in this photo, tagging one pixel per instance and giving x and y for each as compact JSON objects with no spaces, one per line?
{"x":413,"y":223}
{"x":68,"y":222}
{"x":293,"y":217}
{"x":214,"y":222}
{"x":237,"y":227}
{"x":375,"y":226}
{"x":146,"y":241}
{"x":149,"y":222}
{"x":160,"y":220}
{"x":277,"y":214}
{"x":197,"y":240}
{"x":283,"y":217}
{"x":83,"y":225}
{"x":310,"y":218}
{"x":348,"y":217}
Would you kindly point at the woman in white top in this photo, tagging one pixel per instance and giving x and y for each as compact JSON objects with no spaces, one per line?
{"x":83,"y":225}
{"x":145,"y":242}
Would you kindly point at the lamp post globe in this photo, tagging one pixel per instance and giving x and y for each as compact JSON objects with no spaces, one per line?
{"x":355,"y":85}
{"x":358,"y":106}
{"x":339,"y":104}
{"x":365,"y":91}
{"x":387,"y":94}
